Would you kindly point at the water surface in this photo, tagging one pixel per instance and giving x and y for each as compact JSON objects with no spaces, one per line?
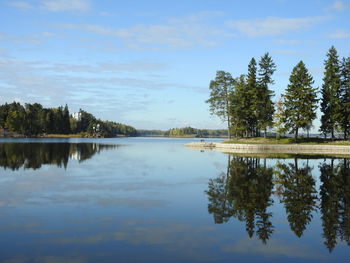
{"x":153,"y":200}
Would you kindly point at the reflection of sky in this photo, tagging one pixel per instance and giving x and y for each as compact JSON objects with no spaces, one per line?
{"x":141,"y":203}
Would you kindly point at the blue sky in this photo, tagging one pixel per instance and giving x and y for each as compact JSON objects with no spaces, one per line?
{"x":149,"y":63}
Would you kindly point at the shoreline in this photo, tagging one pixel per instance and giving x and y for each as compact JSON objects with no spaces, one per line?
{"x":271,"y":148}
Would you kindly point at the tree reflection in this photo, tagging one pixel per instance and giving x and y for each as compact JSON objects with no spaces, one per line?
{"x":243,"y":193}
{"x":335,"y":202}
{"x":34,"y":155}
{"x":298,"y":194}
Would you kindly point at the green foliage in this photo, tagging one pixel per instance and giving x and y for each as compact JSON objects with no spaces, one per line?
{"x":240,"y":108}
{"x":330,"y":103}
{"x":300,"y":100}
{"x":264,"y":104}
{"x":220,"y":90}
{"x":244,"y":102}
{"x":345,"y":96}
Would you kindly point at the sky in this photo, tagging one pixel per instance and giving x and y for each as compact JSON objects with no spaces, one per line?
{"x":149,"y":63}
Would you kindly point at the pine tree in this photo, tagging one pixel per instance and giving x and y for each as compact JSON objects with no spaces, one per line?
{"x":330,"y":103}
{"x":251,"y":91}
{"x":345,"y":96}
{"x":264,"y":104}
{"x":300,"y":100}
{"x":65,"y":120}
{"x":240,"y":104}
{"x":220,"y":90}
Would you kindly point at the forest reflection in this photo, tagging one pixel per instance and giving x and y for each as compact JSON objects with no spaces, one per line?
{"x":245,"y":192}
{"x":33,"y":155}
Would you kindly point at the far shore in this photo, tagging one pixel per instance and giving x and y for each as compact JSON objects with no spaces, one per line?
{"x":273,"y":148}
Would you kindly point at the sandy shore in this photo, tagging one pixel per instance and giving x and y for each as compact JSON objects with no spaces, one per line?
{"x":271,"y":148}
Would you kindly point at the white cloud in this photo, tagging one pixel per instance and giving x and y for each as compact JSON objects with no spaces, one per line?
{"x":339,"y":6}
{"x":274,"y":26}
{"x":339,"y":34}
{"x":65,"y":5}
{"x":187,"y":32}
{"x":54,"y":5}
{"x":287,"y":41}
{"x":21,"y":5}
{"x":274,"y":247}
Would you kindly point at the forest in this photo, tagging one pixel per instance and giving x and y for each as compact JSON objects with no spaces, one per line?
{"x":245,"y":102}
{"x":34,"y":120}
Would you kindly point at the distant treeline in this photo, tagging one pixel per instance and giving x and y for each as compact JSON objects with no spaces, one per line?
{"x":183,"y":132}
{"x":34,"y":120}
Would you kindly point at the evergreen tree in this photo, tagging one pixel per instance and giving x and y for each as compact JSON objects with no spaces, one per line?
{"x":264,"y":104}
{"x":65,"y":120}
{"x":300,"y":100}
{"x":240,"y":105}
{"x":220,"y":90}
{"x":345,"y":96}
{"x":330,"y":103}
{"x":252,"y":94}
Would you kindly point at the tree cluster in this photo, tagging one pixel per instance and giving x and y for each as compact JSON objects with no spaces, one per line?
{"x":34,"y":119}
{"x":245,"y":102}
{"x":335,"y":103}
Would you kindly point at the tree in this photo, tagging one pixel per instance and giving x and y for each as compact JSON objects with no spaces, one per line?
{"x":220,"y":90}
{"x":330,"y":102}
{"x":252,"y":94}
{"x":345,"y":96}
{"x":300,"y":100}
{"x":264,"y":104}
{"x":65,"y":120}
{"x":240,"y":105}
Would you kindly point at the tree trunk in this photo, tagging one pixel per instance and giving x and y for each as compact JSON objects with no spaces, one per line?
{"x":296,"y":134}
{"x":265,"y":132}
{"x":332,"y":134}
{"x":345,"y":135}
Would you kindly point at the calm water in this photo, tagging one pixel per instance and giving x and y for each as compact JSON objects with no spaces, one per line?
{"x":153,"y":200}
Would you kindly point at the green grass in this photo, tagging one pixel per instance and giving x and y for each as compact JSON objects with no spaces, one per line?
{"x":63,"y":135}
{"x":289,"y":155}
{"x":306,"y":141}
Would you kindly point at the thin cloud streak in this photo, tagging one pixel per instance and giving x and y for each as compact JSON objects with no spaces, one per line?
{"x":177,"y":33}
{"x":274,"y":26}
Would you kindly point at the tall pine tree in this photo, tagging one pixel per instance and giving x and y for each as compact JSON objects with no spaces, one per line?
{"x":265,"y":106}
{"x":330,"y":102}
{"x":252,"y":93}
{"x":240,"y":102}
{"x":300,"y":100}
{"x":345,"y":96}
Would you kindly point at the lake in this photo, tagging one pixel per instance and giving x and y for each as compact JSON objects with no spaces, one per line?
{"x":154,"y":200}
